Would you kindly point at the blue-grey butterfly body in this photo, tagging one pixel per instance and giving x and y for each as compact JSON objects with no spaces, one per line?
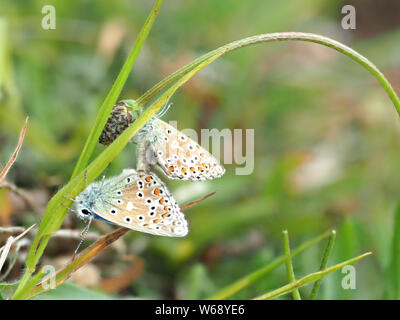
{"x":136,"y":200}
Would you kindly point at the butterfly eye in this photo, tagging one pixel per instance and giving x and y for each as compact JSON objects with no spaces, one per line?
{"x":85,"y":212}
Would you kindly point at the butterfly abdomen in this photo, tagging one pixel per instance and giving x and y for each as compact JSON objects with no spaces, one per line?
{"x":120,"y":119}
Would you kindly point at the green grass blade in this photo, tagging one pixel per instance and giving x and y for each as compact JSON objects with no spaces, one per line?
{"x":258,"y":274}
{"x":54,"y":215}
{"x":115,"y":91}
{"x":392,"y":278}
{"x":80,"y":260}
{"x":289,"y":265}
{"x":324,"y":263}
{"x":308,"y":279}
{"x":281,"y":36}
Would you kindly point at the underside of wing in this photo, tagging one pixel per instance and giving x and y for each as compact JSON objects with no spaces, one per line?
{"x":180,"y":157}
{"x":141,"y":202}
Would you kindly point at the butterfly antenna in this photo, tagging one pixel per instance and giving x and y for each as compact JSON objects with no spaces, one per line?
{"x":86,"y":179}
{"x":164,"y":110}
{"x":69,"y":208}
{"x":73,"y":200}
{"x":83,"y":236}
{"x":104,"y":175}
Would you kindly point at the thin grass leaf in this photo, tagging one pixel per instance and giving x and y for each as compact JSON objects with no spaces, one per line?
{"x":80,"y":260}
{"x":14,"y":156}
{"x":22,"y":234}
{"x":54,"y":215}
{"x":191,"y":204}
{"x":258,"y":274}
{"x":289,"y":265}
{"x":6,"y":249}
{"x":308,"y":279}
{"x":111,"y":99}
{"x":280,"y":36}
{"x":324,"y":263}
{"x":392,"y":276}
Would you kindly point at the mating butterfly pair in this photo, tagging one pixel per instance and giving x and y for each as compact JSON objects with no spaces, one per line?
{"x":140,"y":200}
{"x":160,"y":143}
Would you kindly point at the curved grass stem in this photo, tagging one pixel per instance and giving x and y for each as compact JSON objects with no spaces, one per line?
{"x":269,"y":37}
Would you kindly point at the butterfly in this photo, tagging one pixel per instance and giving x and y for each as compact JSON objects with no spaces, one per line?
{"x":136,"y":200}
{"x":175,"y":153}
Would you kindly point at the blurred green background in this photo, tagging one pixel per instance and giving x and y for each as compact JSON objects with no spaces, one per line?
{"x":326,"y":137}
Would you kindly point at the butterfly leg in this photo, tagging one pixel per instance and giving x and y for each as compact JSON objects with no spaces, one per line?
{"x":83,"y":237}
{"x":164,"y":110}
{"x":104,"y":175}
{"x":141,"y":160}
